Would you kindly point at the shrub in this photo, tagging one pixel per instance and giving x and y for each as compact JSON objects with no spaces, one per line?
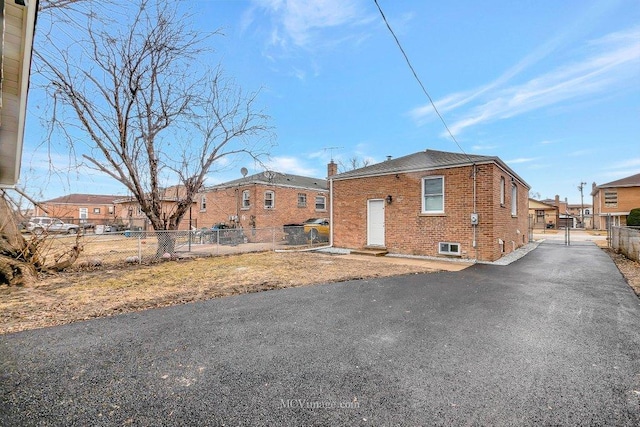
{"x":633,"y":219}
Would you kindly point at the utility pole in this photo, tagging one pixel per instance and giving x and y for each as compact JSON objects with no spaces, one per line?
{"x":581,"y":187}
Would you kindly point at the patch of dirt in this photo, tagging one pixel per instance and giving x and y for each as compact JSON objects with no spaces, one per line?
{"x":81,"y":295}
{"x":630,"y":269}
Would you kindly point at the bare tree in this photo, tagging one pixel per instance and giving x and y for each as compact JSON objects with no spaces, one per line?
{"x":354,"y":163}
{"x":135,"y":100}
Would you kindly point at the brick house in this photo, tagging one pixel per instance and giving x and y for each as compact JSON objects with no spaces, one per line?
{"x":131,"y":216}
{"x":543,"y":215}
{"x":582,"y":213}
{"x":431,"y":203}
{"x":268,"y":199}
{"x":565,"y":216}
{"x":81,"y":208}
{"x":613,"y":201}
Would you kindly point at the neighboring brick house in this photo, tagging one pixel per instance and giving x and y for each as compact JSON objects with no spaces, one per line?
{"x":427,"y":203}
{"x":268,"y":199}
{"x":613,"y":201}
{"x":80,"y":208}
{"x":565,"y":218}
{"x":582,"y":213}
{"x":543,"y":215}
{"x":131,"y":215}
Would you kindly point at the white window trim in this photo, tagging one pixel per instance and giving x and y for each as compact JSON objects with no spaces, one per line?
{"x":502,"y":190}
{"x":248,"y":199}
{"x":273,"y":199}
{"x":424,"y":210}
{"x":324,"y":203}
{"x":302,"y":204}
{"x":514,"y":200}
{"x":449,"y":251}
{"x":203,"y":204}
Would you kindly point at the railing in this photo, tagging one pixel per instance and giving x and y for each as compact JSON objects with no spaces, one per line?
{"x":145,"y":247}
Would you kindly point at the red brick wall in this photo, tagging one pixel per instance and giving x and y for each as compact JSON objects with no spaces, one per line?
{"x":223,"y":203}
{"x":71,"y":212}
{"x":408,"y":231}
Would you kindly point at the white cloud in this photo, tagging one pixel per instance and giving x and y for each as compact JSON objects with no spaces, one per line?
{"x":521,"y":160}
{"x":630,"y":163}
{"x":481,"y":147}
{"x":301,"y":23}
{"x":291,"y":165}
{"x":611,"y":62}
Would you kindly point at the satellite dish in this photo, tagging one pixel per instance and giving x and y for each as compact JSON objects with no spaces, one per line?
{"x":244,"y":172}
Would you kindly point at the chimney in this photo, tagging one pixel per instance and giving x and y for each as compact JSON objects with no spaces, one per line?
{"x":332,"y":169}
{"x":557,"y":202}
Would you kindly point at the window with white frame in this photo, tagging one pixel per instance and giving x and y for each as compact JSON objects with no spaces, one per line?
{"x":449,"y":248}
{"x":111,"y":209}
{"x":246,"y":199}
{"x":203,"y":203}
{"x":433,"y":194}
{"x":502,"y":191}
{"x":96,"y":210}
{"x":321,"y":203}
{"x":302,"y":200}
{"x":269,"y":199}
{"x":514,"y":200}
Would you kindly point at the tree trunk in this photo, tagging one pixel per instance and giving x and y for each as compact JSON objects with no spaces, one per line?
{"x":15,"y":253}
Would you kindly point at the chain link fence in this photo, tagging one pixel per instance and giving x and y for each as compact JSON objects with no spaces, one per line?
{"x":147,"y":247}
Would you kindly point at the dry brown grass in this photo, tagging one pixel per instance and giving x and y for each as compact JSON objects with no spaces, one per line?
{"x":629,"y":269}
{"x":70,"y":297}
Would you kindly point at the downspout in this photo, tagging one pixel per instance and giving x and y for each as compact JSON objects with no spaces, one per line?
{"x":475,"y":227}
{"x":330,"y":212}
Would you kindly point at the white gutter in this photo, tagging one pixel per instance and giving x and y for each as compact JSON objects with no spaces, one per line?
{"x":330,"y":212}
{"x":29,"y":31}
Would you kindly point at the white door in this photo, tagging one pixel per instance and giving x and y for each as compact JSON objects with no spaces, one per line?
{"x":375,"y":223}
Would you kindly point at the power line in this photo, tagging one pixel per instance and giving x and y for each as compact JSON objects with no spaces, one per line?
{"x":384,"y":18}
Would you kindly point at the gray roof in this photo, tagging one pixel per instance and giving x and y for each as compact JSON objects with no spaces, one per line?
{"x":84,"y":199}
{"x":275,"y":179}
{"x":630,"y":181}
{"x":423,"y":161}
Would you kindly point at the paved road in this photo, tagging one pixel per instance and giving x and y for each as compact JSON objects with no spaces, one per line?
{"x":551,"y":339}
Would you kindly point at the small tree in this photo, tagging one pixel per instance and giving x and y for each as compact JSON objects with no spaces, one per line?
{"x":633,"y":219}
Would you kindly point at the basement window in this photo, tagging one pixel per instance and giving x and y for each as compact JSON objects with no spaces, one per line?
{"x":448,"y":248}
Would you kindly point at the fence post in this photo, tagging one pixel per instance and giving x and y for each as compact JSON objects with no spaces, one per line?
{"x":140,"y":249}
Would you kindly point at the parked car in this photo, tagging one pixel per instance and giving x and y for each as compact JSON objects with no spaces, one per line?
{"x":317,"y":229}
{"x":40,"y":224}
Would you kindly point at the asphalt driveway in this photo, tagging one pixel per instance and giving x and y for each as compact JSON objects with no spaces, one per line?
{"x":553,"y":338}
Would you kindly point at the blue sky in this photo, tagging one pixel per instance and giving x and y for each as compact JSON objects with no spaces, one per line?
{"x":551,"y":87}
